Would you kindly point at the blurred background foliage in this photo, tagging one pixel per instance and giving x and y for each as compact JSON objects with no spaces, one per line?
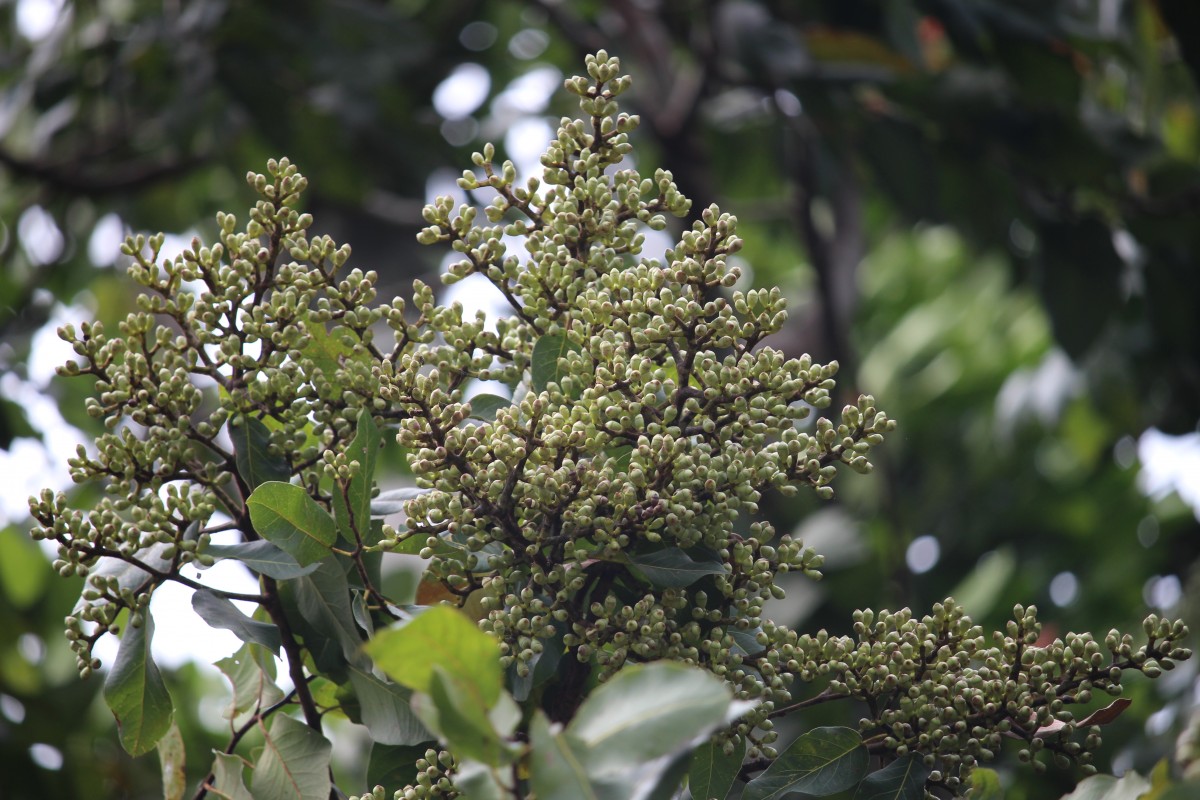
{"x":985,"y":210}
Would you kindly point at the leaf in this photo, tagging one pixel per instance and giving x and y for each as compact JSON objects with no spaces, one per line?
{"x":980,"y":590}
{"x":451,"y":709}
{"x":394,"y":766}
{"x":352,"y":508}
{"x":262,"y":557}
{"x":712,"y":773}
{"x":547,"y":364}
{"x":985,"y":784}
{"x":294,"y":764}
{"x":648,"y":711}
{"x":172,"y":758}
{"x":251,"y":450}
{"x":1129,"y":786}
{"x":23,"y":569}
{"x":440,"y":637}
{"x":556,"y":771}
{"x":136,"y":693}
{"x":227,"y":778}
{"x":485,"y":406}
{"x":903,"y":779}
{"x":479,"y":781}
{"x":387,"y":711}
{"x":220,"y":612}
{"x":253,"y":683}
{"x":285,"y":515}
{"x":323,"y":602}
{"x":392,"y":501}
{"x":672,"y":568}
{"x":820,"y":762}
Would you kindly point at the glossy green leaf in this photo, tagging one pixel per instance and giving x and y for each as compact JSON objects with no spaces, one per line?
{"x":985,"y":784}
{"x":172,"y":760}
{"x":387,"y":710}
{"x":262,"y":557}
{"x":220,"y":612}
{"x":253,"y":681}
{"x":228,"y":778}
{"x":294,"y":764}
{"x":903,"y":779}
{"x":285,"y":515}
{"x":443,"y":637}
{"x":136,"y":693}
{"x":712,"y":772}
{"x":485,"y":406}
{"x":251,"y":449}
{"x":821,"y":762}
{"x":672,"y":568}
{"x":547,"y":365}
{"x":647,"y":711}
{"x":352,"y":506}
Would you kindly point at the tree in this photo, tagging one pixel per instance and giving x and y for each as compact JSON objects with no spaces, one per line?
{"x":591,"y":518}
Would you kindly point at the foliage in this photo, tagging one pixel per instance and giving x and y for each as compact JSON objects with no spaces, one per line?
{"x":592,"y":518}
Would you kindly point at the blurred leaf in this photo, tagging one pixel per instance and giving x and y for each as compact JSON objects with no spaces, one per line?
{"x":294,"y":764}
{"x":452,"y":708}
{"x":980,"y":590}
{"x":1129,"y":786}
{"x":172,"y":759}
{"x":136,"y":693}
{"x":284,"y":514}
{"x":24,"y":570}
{"x":985,"y":784}
{"x":443,"y":637}
{"x":671,"y":568}
{"x":251,"y":446}
{"x":262,"y":557}
{"x":903,"y":779}
{"x":820,"y":762}
{"x":221,"y":613}
{"x":556,"y":771}
{"x":712,"y":772}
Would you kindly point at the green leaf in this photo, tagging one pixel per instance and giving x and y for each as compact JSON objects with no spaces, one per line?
{"x":23,"y":569}
{"x":454,"y":711}
{"x":352,"y":509}
{"x":712,"y":773}
{"x":251,"y":450}
{"x":262,"y":557}
{"x":285,"y":515}
{"x":1129,"y":786}
{"x":392,"y":501}
{"x":253,"y":681}
{"x":219,"y":612}
{"x":172,"y":759}
{"x":442,"y":637}
{"x":136,"y":693}
{"x":387,"y":710}
{"x":485,"y":406}
{"x":672,"y":568}
{"x":480,"y":781}
{"x":556,"y":771}
{"x":903,"y":779}
{"x":323,"y":602}
{"x":547,"y":365}
{"x":982,"y":588}
{"x":394,"y":766}
{"x":227,"y":778}
{"x":985,"y":784}
{"x":820,"y":762}
{"x":294,"y":764}
{"x":648,"y":711}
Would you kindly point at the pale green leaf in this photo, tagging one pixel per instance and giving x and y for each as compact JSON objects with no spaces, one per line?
{"x":444,"y":637}
{"x":285,"y":515}
{"x":172,"y":759}
{"x":821,"y":762}
{"x":294,"y":764}
{"x":253,"y":680}
{"x":228,"y":782}
{"x":985,"y":784}
{"x":1130,"y":786}
{"x":136,"y":693}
